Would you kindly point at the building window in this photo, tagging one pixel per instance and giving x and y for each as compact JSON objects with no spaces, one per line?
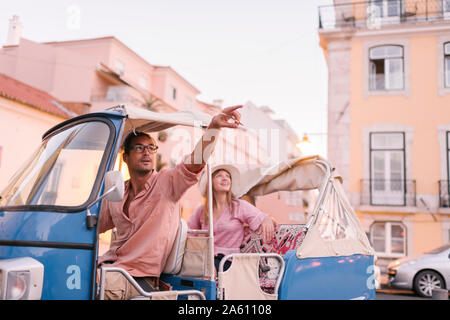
{"x":446,"y":7}
{"x":294,"y":198}
{"x":143,"y":82}
{"x":387,"y":168}
{"x":388,"y":238}
{"x":448,"y":154}
{"x":189,"y":103}
{"x":296,"y":216}
{"x":173,"y":93}
{"x":444,"y":185}
{"x":386,"y":8}
{"x":119,"y":67}
{"x":386,"y":68}
{"x":447,"y":64}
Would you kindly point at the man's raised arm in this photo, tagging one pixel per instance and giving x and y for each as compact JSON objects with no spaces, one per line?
{"x":229,"y":118}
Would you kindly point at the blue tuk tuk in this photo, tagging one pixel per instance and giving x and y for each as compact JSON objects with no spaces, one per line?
{"x":49,"y":242}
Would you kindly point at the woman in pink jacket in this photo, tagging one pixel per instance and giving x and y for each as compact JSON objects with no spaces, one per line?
{"x":230,"y":215}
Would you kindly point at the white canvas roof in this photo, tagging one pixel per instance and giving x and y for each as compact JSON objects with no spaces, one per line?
{"x":145,"y":120}
{"x":336,"y":230}
{"x":295,"y":174}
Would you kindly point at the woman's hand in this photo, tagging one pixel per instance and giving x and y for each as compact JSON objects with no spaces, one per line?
{"x":267,"y":228}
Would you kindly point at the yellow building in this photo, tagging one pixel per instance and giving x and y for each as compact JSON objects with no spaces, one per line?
{"x":389,"y":117}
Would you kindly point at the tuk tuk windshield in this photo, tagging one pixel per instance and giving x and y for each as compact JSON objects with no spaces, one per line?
{"x":62,"y":172}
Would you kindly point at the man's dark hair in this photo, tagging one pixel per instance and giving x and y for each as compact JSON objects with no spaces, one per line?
{"x":131,"y":136}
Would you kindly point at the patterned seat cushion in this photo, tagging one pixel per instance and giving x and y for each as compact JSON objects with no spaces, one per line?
{"x":287,"y":237}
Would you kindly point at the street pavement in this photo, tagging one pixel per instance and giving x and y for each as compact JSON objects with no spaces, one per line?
{"x":392,"y":294}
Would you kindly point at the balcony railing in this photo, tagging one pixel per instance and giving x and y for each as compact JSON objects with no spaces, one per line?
{"x":377,"y":13}
{"x":444,"y":194}
{"x":379,"y":192}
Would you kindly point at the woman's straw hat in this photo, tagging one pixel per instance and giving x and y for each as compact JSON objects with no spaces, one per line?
{"x":231,"y":169}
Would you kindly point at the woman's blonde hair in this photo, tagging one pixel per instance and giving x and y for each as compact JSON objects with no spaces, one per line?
{"x":229,"y":197}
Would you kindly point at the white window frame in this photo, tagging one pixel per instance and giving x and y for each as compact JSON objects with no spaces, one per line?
{"x":383,"y":14}
{"x":446,"y":8}
{"x":444,"y":190}
{"x":189,"y":103}
{"x":387,"y":60}
{"x":446,"y":64}
{"x":173,"y":93}
{"x":119,"y":67}
{"x":297,"y":216}
{"x":143,"y":82}
{"x":388,"y":239}
{"x":409,"y":139}
{"x":443,"y":134}
{"x":394,"y":41}
{"x":442,"y":40}
{"x":294,"y":198}
{"x":389,"y":195}
{"x":447,"y":138}
{"x":446,"y":229}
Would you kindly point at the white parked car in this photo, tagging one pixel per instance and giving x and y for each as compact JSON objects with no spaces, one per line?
{"x":422,"y":273}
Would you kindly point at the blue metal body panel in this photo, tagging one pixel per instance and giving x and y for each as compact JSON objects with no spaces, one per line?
{"x":183,"y":283}
{"x":61,"y":241}
{"x":327,"y":278}
{"x":47,"y":226}
{"x":67,"y":272}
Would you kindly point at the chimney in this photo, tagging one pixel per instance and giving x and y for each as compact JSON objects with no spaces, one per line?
{"x":14,"y":31}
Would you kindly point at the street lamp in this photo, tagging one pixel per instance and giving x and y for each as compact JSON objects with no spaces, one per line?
{"x":307,"y":147}
{"x":305,"y":138}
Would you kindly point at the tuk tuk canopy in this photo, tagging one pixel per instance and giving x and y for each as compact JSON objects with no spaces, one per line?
{"x":335,"y":229}
{"x":139,"y":119}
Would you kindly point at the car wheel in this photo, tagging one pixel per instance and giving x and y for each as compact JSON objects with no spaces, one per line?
{"x":426,"y":281}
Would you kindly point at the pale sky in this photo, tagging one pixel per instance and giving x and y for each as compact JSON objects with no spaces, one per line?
{"x":264,"y":51}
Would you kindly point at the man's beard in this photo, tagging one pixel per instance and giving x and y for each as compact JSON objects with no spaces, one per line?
{"x":143,"y":171}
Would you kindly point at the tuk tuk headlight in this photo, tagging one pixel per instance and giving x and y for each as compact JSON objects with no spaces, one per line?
{"x":17,"y":285}
{"x":21,"y":279}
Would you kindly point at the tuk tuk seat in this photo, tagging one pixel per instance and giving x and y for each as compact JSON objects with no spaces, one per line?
{"x":240,"y":281}
{"x":175,"y":259}
{"x":287,"y":237}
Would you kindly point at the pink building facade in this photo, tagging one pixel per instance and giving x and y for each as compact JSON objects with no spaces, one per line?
{"x":95,"y":74}
{"x":36,"y":111}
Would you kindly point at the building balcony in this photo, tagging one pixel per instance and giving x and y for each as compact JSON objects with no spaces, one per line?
{"x":121,"y":94}
{"x":377,"y":14}
{"x":392,"y":193}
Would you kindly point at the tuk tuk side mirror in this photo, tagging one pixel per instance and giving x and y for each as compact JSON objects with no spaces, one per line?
{"x":114,"y":186}
{"x":114,"y":191}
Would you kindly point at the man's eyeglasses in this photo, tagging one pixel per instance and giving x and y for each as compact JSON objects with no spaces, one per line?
{"x":139,"y":148}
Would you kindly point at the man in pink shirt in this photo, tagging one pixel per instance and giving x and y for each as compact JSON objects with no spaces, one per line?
{"x":146,"y":219}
